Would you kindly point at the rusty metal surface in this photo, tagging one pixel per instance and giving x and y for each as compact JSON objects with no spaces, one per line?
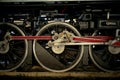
{"x":65,"y":74}
{"x":46,"y":0}
{"x":80,"y":72}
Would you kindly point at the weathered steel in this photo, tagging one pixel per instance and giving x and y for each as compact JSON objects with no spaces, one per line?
{"x":65,"y":74}
{"x":46,"y":0}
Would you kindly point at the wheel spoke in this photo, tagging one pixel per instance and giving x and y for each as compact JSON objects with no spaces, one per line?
{"x":62,"y":62}
{"x":6,"y":61}
{"x":17,"y":42}
{"x":15,"y":56}
{"x":102,"y":56}
{"x":16,"y":52}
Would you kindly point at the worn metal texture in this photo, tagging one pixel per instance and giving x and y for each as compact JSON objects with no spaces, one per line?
{"x":47,"y":0}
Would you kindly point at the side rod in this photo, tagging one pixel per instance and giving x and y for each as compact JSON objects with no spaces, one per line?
{"x":31,"y":37}
{"x":81,"y":39}
{"x":87,"y":40}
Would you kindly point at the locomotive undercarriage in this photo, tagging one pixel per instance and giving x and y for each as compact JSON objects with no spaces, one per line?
{"x":58,"y":45}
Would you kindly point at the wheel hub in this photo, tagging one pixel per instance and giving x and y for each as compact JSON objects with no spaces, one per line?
{"x":58,"y":49}
{"x":4,"y":47}
{"x":114,"y":49}
{"x":59,"y":38}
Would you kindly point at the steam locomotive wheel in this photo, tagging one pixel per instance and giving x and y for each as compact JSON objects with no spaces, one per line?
{"x":105,"y":57}
{"x":57,"y":58}
{"x":12,"y":52}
